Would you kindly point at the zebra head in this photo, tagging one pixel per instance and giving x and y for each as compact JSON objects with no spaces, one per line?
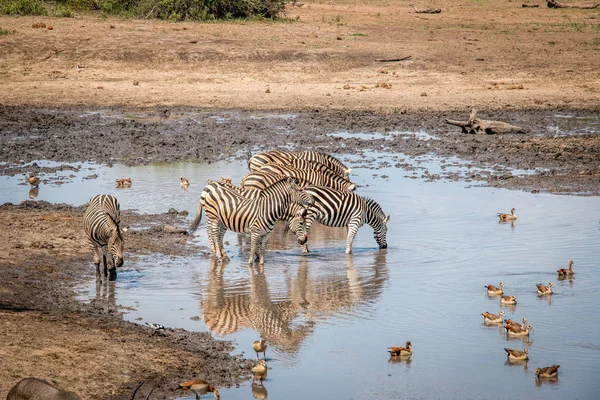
{"x":298,"y":224}
{"x":380,"y":233}
{"x":115,"y":247}
{"x":299,"y":196}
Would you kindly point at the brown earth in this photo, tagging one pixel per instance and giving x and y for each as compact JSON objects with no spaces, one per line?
{"x":520,"y":65}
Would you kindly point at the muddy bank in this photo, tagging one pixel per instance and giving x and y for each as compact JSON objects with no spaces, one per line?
{"x":561,"y":152}
{"x":88,"y":348}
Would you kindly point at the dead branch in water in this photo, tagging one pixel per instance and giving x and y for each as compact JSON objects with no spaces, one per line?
{"x":426,"y":10}
{"x":475,"y":125}
{"x":556,"y":4}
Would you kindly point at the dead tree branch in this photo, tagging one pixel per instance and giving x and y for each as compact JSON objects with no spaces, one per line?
{"x":556,"y":4}
{"x":475,"y":126}
{"x":426,"y":10}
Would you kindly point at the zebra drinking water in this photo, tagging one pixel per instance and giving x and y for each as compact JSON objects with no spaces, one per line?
{"x":286,"y":157}
{"x":337,"y":208}
{"x":101,"y":223}
{"x":227,"y":209}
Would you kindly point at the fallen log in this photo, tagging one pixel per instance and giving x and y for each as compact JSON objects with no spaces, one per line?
{"x":426,"y":10}
{"x":476,"y":126}
{"x":556,"y":4}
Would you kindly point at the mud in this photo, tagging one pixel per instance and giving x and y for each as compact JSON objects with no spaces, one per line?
{"x":561,"y":154}
{"x":89,"y":348}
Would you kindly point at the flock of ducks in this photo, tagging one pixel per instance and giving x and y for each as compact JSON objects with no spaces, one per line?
{"x":259,"y":372}
{"x":515,"y":329}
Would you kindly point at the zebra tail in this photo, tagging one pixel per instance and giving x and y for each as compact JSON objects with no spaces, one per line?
{"x":196,"y":221}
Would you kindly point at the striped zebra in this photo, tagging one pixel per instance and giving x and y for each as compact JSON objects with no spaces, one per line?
{"x":285,"y":157}
{"x":101,"y":223}
{"x":261,"y":180}
{"x":346,"y":209}
{"x":294,"y":215}
{"x":227,"y":209}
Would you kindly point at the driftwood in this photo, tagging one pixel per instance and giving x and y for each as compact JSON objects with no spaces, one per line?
{"x":426,"y":10}
{"x":475,"y":125}
{"x":530,"y":5}
{"x":556,"y":4}
{"x":393,"y":59}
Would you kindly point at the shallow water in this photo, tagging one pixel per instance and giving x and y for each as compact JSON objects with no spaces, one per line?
{"x":329,"y":317}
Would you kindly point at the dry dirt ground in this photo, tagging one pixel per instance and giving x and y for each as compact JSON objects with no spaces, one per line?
{"x":517,"y":64}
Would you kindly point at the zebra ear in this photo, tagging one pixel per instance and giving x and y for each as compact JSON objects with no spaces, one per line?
{"x":386,"y":219}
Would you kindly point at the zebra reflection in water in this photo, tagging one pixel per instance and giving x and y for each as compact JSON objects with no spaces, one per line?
{"x":307,"y":297}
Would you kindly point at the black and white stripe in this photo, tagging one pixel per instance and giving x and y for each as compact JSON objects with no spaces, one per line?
{"x":337,"y":208}
{"x":227,"y":209}
{"x":261,"y":179}
{"x":101,"y":223}
{"x":286,"y":157}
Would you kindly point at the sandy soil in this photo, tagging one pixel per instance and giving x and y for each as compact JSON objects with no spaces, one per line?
{"x":520,"y":65}
{"x":473,"y":54}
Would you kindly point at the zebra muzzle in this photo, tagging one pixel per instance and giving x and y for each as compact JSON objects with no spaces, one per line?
{"x":303,"y":239}
{"x":119,"y":262}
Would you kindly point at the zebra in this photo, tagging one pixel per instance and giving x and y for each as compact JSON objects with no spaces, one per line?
{"x":342,"y":208}
{"x":260,"y":180}
{"x":227,"y":209}
{"x":285,"y":157}
{"x":101,"y":223}
{"x":294,"y":215}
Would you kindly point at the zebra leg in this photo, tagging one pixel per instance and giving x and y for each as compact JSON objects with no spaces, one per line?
{"x":263,"y":247}
{"x":96,"y":253}
{"x":221,"y":235}
{"x":352,"y":229}
{"x":254,"y":246}
{"x":212,"y":228}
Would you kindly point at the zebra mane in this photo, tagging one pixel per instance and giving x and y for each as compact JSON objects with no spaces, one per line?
{"x":374,"y":207}
{"x":114,"y":218}
{"x":280,"y":179}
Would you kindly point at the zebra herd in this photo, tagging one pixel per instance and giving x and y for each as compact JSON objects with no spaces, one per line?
{"x":296,"y":187}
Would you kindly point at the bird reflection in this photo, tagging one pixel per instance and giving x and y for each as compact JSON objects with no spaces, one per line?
{"x":569,"y":278}
{"x":34,"y":191}
{"x":517,"y":363}
{"x":511,"y":307}
{"x":259,"y":392}
{"x":401,"y":360}
{"x":283,"y":320}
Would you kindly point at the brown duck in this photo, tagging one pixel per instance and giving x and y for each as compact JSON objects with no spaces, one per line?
{"x":33,"y":180}
{"x":183,"y":182}
{"x":518,"y":325}
{"x":489,"y":318}
{"x":495,"y":291}
{"x":513,"y":330}
{"x":508,"y":300}
{"x":260,"y":346}
{"x":517,"y":355}
{"x":200,"y":387}
{"x":259,"y":371}
{"x":401,"y":351}
{"x":508,"y":217}
{"x":543,"y":290}
{"x":124,"y":182}
{"x":564,"y":271}
{"x":547,"y":372}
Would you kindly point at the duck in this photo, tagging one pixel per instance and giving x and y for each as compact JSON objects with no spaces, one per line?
{"x":508,"y":217}
{"x":124,"y":182}
{"x":226,"y":181}
{"x":200,"y":387}
{"x":547,"y":372}
{"x":508,"y":300}
{"x":492,"y":318}
{"x":495,"y":291}
{"x":33,"y":180}
{"x":564,"y":271}
{"x":517,"y":355}
{"x":259,"y":371}
{"x":33,"y":192}
{"x":260,"y":346}
{"x":401,"y":351}
{"x":543,"y":290}
{"x":514,"y":330}
{"x":518,"y":325}
{"x":183,"y":181}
